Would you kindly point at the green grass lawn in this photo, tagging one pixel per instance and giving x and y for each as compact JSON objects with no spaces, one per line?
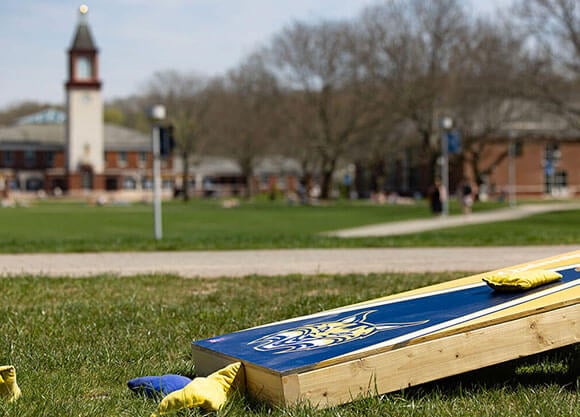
{"x":204,"y":224}
{"x":76,"y":342}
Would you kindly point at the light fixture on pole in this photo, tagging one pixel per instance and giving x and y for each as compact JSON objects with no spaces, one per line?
{"x":446,"y":124}
{"x":157,"y":114}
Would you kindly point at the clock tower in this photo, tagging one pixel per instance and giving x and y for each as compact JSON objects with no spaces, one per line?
{"x":85,"y":126}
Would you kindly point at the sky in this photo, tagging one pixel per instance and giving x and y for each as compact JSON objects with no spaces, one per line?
{"x":137,"y":38}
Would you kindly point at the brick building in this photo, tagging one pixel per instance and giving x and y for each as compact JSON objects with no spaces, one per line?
{"x":538,"y":153}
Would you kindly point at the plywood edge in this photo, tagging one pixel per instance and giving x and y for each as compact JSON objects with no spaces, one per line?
{"x":435,"y":359}
{"x":207,"y":361}
{"x":265,"y":386}
{"x":255,"y":381}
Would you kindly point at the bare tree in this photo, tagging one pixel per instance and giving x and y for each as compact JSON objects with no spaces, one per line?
{"x":130,"y":113}
{"x":318,"y":67}
{"x":553,"y":27}
{"x":187,"y":101}
{"x":413,"y":43}
{"x":245,"y":121}
{"x":296,"y":138}
{"x":388,"y":54}
{"x":488,"y":74}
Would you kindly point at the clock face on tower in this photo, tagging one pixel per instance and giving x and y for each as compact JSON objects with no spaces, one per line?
{"x":83,"y":67}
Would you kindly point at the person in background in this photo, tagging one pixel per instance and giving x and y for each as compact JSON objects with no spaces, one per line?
{"x":437,"y":195}
{"x":466,"y":196}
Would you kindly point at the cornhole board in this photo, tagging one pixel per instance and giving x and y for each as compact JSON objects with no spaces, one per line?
{"x":401,"y":340}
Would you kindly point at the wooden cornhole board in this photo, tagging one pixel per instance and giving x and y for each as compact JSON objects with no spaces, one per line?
{"x":402,"y":340}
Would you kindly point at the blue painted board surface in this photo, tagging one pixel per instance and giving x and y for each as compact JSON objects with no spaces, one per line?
{"x":306,"y":341}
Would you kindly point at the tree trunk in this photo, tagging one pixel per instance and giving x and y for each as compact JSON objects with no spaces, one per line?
{"x":185,"y":176}
{"x":428,"y":162}
{"x":247,"y":171}
{"x":327,"y":174}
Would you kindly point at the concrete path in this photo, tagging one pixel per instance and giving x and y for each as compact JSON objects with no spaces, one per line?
{"x":422,"y":225}
{"x":276,"y":262}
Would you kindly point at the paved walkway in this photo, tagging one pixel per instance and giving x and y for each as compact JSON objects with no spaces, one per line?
{"x":276,"y":262}
{"x":422,"y":225}
{"x":213,"y":264}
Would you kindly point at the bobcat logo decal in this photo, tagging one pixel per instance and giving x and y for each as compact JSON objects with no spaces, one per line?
{"x":325,"y":334}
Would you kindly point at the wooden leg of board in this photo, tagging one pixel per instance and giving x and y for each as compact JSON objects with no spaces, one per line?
{"x":258,"y":383}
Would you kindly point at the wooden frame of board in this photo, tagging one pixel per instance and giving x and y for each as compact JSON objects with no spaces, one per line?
{"x":402,"y":340}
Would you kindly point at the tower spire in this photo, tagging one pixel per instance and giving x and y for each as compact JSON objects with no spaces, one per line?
{"x":83,"y":40}
{"x":83,"y":12}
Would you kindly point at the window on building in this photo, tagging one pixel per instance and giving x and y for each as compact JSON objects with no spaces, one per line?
{"x":57,"y":185}
{"x":146,"y":183}
{"x":554,"y":180}
{"x":561,"y":179}
{"x":264,"y":179}
{"x":14,"y":184}
{"x":555,"y":183}
{"x":122,"y":159}
{"x":49,"y":159}
{"x":87,"y":180}
{"x":34,"y":184}
{"x":8,"y":158}
{"x":142,"y":159}
{"x":129,"y":183}
{"x":167,"y":184}
{"x":111,"y":184}
{"x":552,"y":151}
{"x":29,"y":158}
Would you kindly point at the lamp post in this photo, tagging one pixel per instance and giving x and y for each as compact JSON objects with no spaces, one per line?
{"x":157,"y":114}
{"x":446,"y":124}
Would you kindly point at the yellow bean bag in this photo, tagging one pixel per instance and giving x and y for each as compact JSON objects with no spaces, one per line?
{"x":9,"y":389}
{"x":519,"y":281}
{"x":209,"y":393}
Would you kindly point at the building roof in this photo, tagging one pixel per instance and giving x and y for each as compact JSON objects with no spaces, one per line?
{"x":117,"y":138}
{"x":33,"y":134}
{"x":525,"y":119}
{"x":43,"y":117}
{"x":221,"y":166}
{"x":83,"y":40}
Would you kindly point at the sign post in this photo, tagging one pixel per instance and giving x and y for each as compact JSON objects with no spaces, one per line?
{"x":447,"y":124}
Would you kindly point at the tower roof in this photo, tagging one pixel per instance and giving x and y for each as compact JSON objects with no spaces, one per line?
{"x":83,"y":40}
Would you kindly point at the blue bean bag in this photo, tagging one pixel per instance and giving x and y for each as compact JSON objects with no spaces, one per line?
{"x":158,"y":386}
